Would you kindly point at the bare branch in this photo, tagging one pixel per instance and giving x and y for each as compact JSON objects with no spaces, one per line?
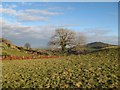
{"x":65,"y":37}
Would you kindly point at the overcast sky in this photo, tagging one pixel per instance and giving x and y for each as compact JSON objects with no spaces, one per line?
{"x":35,"y":22}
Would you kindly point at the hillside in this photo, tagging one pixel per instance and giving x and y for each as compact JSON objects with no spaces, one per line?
{"x":13,"y":52}
{"x":8,"y":48}
{"x":91,"y":71}
{"x":96,"y":69}
{"x":90,"y":47}
{"x":98,"y":45}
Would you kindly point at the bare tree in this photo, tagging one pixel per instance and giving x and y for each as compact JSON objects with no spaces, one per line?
{"x":27,"y":45}
{"x":63,"y":38}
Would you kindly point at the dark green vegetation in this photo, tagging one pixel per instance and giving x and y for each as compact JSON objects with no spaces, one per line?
{"x":90,"y":48}
{"x":94,"y":70}
{"x":98,"y":45}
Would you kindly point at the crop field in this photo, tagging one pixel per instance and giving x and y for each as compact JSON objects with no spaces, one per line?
{"x":95,"y":70}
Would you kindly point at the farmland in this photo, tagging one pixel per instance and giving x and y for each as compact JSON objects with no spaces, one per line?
{"x":94,"y":70}
{"x":63,"y":44}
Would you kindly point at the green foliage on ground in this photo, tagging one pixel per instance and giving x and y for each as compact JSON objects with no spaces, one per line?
{"x":95,"y":70}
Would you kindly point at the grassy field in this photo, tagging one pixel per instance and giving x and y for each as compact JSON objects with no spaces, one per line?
{"x":9,"y":51}
{"x":95,"y":70}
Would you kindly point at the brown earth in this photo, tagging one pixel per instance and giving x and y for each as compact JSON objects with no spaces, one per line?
{"x":13,"y":57}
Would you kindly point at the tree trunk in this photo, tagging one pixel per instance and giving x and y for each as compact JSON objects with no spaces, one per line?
{"x":63,"y":48}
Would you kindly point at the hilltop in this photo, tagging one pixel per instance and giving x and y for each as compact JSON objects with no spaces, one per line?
{"x":99,"y":45}
{"x":90,"y":47}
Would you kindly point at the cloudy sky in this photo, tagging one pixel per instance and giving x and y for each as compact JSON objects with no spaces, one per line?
{"x":35,"y":22}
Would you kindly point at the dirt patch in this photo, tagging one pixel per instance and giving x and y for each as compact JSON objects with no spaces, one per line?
{"x":12,"y":57}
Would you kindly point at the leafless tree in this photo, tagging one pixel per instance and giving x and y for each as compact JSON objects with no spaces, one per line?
{"x":64,"y":38}
{"x":27,"y":45}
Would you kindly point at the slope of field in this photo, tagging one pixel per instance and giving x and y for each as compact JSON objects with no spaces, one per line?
{"x":95,"y":70}
{"x":10,"y":49}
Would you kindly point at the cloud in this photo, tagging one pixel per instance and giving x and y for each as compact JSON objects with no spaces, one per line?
{"x":28,"y":17}
{"x":12,"y":29}
{"x":42,"y":34}
{"x":41,"y":12}
{"x":0,"y":27}
{"x":29,"y":14}
{"x":20,"y":34}
{"x":8,"y":11}
{"x":97,"y":31}
{"x":62,"y":25}
{"x":19,"y":31}
{"x":67,"y":25}
{"x":11,"y":6}
{"x":100,"y":34}
{"x":25,"y":3}
{"x":60,"y":8}
{"x":108,"y":39}
{"x":0,"y":5}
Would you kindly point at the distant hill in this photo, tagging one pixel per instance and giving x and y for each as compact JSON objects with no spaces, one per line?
{"x":98,"y":45}
{"x":90,"y":47}
{"x":8,"y":48}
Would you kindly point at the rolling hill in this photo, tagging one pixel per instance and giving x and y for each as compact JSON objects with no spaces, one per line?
{"x":91,"y":71}
{"x":98,"y":45}
{"x":8,"y":48}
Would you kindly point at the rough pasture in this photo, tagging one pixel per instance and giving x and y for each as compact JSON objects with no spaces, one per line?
{"x":92,"y":71}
